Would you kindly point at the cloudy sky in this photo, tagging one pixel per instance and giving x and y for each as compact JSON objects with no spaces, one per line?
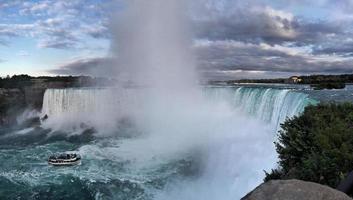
{"x":232,"y":38}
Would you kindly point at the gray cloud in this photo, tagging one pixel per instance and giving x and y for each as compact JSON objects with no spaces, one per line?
{"x":226,"y":59}
{"x":232,"y":56}
{"x":248,"y":25}
{"x":92,"y":66}
{"x":240,"y":38}
{"x":253,"y":22}
{"x":238,"y":31}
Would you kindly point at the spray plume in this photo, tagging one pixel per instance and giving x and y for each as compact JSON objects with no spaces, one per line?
{"x":152,"y":49}
{"x":152,"y":45}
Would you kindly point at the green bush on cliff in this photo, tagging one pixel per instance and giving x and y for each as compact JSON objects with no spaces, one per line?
{"x":316,"y":146}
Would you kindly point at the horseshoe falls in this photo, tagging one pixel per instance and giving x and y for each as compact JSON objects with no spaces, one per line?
{"x":268,"y":104}
{"x":215,"y":147}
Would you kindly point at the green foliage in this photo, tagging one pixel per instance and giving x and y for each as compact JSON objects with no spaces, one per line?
{"x":316,"y":79}
{"x":278,"y":80}
{"x":275,"y":174}
{"x":334,"y":81}
{"x":324,"y":85}
{"x":16,"y":81}
{"x":23,"y":81}
{"x":316,"y":146}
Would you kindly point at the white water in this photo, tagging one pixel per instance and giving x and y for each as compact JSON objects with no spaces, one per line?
{"x":234,"y":128}
{"x":70,"y":109}
{"x":99,"y":106}
{"x":270,"y":105}
{"x":103,"y":108}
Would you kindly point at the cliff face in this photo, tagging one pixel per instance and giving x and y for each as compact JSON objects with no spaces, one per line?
{"x":12,"y":102}
{"x":34,"y":97}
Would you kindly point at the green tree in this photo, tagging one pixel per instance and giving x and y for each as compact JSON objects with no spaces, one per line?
{"x":316,"y":146}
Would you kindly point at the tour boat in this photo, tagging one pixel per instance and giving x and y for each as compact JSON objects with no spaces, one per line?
{"x":65,"y":159}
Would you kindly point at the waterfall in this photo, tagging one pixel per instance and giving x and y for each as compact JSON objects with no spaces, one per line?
{"x":242,"y":126}
{"x":270,"y":105}
{"x":83,"y":101}
{"x":100,"y":108}
{"x":231,"y":131}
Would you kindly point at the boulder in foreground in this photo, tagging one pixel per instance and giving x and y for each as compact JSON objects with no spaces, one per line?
{"x":294,"y":190}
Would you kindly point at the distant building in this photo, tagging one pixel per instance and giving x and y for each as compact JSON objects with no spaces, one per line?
{"x":295,"y":79}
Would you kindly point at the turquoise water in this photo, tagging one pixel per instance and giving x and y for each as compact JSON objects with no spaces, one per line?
{"x":216,"y":150}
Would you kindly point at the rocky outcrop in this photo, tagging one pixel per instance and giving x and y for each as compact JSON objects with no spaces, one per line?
{"x":294,"y":190}
{"x":14,"y":101}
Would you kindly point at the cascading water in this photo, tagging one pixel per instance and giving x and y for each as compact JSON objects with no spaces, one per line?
{"x":234,"y":131}
{"x":75,"y":101}
{"x":240,"y":147}
{"x":100,"y":108}
{"x":268,"y":104}
{"x":271,"y":105}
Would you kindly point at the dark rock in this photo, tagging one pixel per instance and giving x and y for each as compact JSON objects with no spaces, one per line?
{"x":12,"y":103}
{"x":44,"y":118}
{"x":294,"y":190}
{"x":34,"y":97}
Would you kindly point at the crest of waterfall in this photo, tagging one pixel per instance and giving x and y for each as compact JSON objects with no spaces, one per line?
{"x":85,"y":101}
{"x":101,"y":106}
{"x":270,"y":105}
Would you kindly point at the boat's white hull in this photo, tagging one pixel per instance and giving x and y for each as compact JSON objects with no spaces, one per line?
{"x":78,"y":162}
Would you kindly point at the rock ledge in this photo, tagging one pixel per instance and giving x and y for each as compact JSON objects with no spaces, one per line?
{"x":294,"y":190}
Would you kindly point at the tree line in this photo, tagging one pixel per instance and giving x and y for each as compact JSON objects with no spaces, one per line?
{"x":312,"y":79}
{"x":24,"y":80}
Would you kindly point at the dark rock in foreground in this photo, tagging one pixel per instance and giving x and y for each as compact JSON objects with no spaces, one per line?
{"x":294,"y":190}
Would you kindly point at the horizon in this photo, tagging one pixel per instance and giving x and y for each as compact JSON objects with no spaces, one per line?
{"x":210,"y":80}
{"x":258,"y":39}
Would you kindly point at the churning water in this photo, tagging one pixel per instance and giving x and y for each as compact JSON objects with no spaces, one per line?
{"x":214,"y":149}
